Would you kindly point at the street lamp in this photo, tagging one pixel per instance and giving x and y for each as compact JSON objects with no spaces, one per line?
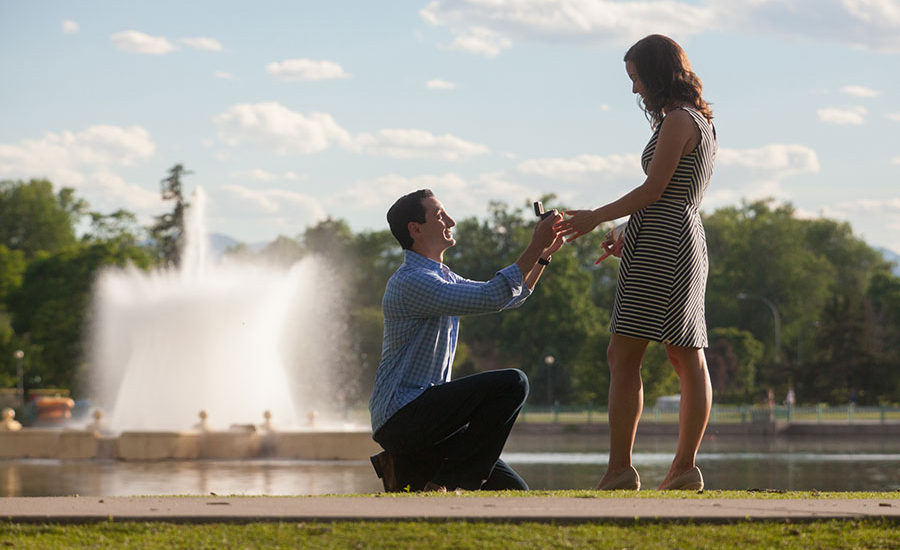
{"x":20,"y":376}
{"x":549,"y":360}
{"x":775,"y":316}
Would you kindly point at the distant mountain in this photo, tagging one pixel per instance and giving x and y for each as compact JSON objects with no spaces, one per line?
{"x":891,"y":256}
{"x":219,"y":243}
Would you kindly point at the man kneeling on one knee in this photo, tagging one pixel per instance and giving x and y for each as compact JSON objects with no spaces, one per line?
{"x":440,"y":433}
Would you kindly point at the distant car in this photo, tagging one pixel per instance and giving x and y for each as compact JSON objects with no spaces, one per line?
{"x":668,"y":403}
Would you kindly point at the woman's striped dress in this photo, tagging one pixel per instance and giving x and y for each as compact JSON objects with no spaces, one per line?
{"x":662,"y":277}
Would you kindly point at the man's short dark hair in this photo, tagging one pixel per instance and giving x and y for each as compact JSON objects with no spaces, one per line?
{"x":408,"y":208}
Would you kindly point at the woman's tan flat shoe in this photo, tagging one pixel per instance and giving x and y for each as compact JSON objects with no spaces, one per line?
{"x":691,"y":480}
{"x":628,"y":480}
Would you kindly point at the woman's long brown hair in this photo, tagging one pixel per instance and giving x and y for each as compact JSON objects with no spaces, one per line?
{"x":666,"y":74}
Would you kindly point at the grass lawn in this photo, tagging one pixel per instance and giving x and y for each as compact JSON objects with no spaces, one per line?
{"x":433,"y":535}
{"x":457,"y":535}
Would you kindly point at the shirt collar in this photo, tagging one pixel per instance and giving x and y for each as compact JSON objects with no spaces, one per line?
{"x":414,"y":259}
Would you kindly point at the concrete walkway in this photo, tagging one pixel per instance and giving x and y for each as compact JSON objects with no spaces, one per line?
{"x":438,"y":508}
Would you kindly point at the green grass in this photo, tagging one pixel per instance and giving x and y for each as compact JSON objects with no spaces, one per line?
{"x":587,"y":493}
{"x":456,"y":535}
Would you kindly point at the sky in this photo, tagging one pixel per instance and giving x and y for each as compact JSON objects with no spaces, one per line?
{"x":289,"y":112}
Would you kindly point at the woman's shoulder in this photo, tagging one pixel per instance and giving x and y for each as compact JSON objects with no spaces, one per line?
{"x":677,"y":121}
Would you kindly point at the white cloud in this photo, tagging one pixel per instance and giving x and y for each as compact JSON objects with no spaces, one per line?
{"x":410,"y":143}
{"x":86,"y":160}
{"x":860,"y":91}
{"x":306,"y":69}
{"x":138,"y":42}
{"x":258,"y":174}
{"x":779,"y":159}
{"x":607,"y":22}
{"x":894,"y":116}
{"x":101,"y":145}
{"x":203,"y":43}
{"x":462,"y":197}
{"x":69,"y":26}
{"x":843,"y":116}
{"x":870,"y":24}
{"x":267,"y":211}
{"x":482,"y":41}
{"x":438,"y":84}
{"x":274,"y":201}
{"x":275,"y":126}
{"x":896,"y":161}
{"x":380,"y":193}
{"x":583,"y":166}
{"x":224,"y":75}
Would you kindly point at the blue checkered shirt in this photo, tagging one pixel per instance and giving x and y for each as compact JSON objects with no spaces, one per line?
{"x":422,"y":304}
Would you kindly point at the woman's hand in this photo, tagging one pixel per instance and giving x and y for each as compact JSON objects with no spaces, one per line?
{"x":612,"y":244}
{"x":579,"y":222}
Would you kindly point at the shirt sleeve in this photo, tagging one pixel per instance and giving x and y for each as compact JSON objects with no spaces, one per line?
{"x":426,"y":294}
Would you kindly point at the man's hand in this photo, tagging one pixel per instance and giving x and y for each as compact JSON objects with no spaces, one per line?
{"x":545,"y":234}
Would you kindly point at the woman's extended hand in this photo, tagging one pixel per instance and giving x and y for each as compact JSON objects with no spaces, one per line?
{"x":578,"y":223}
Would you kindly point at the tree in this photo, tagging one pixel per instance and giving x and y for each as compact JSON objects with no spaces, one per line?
{"x":120,"y":227}
{"x":12,"y":266}
{"x":168,"y":230}
{"x":34,"y":219}
{"x":732,"y":359}
{"x":52,"y":305}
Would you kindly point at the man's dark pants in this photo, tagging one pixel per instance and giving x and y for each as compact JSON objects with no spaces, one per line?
{"x":455,"y":432}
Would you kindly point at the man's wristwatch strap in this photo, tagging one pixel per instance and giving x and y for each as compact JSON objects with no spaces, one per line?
{"x":545,"y":262}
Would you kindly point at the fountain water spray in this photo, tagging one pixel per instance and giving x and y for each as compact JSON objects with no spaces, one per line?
{"x":230,"y":337}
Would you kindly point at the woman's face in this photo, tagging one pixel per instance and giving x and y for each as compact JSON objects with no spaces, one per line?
{"x":637,"y":87}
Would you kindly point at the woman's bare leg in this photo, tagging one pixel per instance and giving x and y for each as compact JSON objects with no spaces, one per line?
{"x":626,"y":400}
{"x":696,"y":400}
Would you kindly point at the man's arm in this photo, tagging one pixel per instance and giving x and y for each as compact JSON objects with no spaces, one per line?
{"x":424,"y":293}
{"x":531,"y":279}
{"x":544,"y":242}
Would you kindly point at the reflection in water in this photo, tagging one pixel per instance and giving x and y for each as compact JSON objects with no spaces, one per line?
{"x":545,"y":463}
{"x":194,"y":477}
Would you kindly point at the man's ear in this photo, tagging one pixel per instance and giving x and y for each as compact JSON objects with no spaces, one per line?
{"x":414,"y":229}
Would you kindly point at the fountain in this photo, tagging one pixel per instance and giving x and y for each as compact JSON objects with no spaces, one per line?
{"x":235,"y":340}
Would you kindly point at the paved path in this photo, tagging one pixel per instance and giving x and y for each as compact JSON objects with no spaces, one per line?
{"x":441,"y":508}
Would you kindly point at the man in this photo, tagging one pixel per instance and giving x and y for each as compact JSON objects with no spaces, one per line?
{"x":440,"y":434}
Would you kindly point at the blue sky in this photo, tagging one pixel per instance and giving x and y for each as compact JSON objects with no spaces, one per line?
{"x":287,"y":112}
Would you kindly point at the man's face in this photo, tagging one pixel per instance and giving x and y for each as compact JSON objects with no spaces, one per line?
{"x":436,"y":232}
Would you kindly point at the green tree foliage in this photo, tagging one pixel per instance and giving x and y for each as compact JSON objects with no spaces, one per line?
{"x":838,"y":300}
{"x":34,"y":219}
{"x":733,"y":357}
{"x":52,"y":306}
{"x":168,"y":230}
{"x":12,"y":266}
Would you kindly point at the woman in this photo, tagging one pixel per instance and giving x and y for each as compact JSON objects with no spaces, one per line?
{"x":662,"y":276}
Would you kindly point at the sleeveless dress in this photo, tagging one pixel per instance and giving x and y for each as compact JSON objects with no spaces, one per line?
{"x":661,"y":285}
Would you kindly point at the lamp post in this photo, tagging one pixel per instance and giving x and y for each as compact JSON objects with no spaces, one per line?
{"x":775,"y":316}
{"x":549,"y":360}
{"x":20,"y":376}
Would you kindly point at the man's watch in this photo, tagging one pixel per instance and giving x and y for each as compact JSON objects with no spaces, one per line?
{"x":545,"y":262}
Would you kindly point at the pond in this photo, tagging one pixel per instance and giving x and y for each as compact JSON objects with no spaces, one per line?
{"x":554,"y":462}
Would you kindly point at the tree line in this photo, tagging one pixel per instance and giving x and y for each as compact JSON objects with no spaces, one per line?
{"x":791,"y":303}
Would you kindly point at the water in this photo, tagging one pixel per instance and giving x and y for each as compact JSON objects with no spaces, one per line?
{"x":749,"y":463}
{"x":233,"y":338}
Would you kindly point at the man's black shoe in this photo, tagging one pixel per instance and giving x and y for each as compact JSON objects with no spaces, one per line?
{"x":399,"y":473}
